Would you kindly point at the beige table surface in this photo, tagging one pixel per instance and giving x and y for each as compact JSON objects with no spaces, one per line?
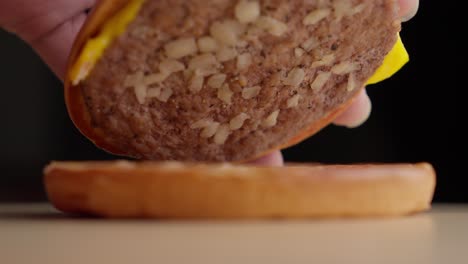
{"x":39,"y":234}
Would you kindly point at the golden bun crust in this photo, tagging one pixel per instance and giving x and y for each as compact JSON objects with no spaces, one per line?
{"x":122,"y":189}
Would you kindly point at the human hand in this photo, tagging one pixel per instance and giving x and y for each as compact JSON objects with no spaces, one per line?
{"x":50,"y":27}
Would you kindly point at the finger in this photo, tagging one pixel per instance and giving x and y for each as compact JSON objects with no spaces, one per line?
{"x":272,"y":159}
{"x":49,"y":26}
{"x":357,"y":113}
{"x":408,"y":9}
{"x":55,"y":47}
{"x":32,"y":19}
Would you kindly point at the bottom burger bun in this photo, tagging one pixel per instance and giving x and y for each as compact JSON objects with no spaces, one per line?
{"x":124,"y":189}
{"x":224,"y":80}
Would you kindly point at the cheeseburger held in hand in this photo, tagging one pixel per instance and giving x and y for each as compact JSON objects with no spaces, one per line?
{"x":224,"y":80}
{"x":194,"y":85}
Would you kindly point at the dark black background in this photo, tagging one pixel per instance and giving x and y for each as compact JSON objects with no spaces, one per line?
{"x":417,"y":115}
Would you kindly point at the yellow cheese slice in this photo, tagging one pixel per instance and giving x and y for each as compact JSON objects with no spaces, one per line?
{"x":393,"y":62}
{"x":95,"y":47}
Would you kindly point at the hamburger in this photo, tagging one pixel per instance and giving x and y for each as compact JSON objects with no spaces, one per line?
{"x":195,"y":88}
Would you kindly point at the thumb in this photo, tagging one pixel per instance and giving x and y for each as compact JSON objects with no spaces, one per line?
{"x":55,"y":47}
{"x":49,"y":26}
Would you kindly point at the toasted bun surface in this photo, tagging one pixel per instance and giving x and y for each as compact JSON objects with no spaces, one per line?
{"x":243,"y":88}
{"x":178,"y":190}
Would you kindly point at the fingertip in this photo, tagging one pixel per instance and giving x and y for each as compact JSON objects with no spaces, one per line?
{"x":357,"y":113}
{"x":408,"y":9}
{"x":274,"y":159}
